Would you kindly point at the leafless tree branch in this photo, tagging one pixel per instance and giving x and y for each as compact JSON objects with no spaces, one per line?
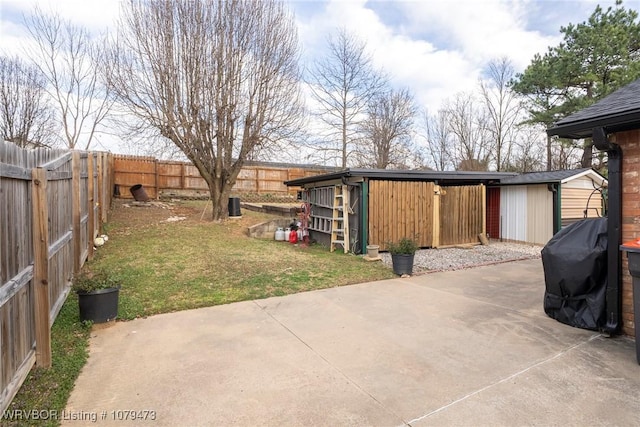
{"x":26,"y":118}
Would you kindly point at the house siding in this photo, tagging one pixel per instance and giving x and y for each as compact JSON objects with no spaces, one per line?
{"x":579,"y":195}
{"x":630,"y":144}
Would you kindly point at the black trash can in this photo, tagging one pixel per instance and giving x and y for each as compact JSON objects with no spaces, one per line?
{"x":138,"y":193}
{"x":234,"y":206}
{"x":633,"y":256}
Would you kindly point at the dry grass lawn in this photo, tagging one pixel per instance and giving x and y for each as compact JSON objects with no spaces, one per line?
{"x":166,"y":265}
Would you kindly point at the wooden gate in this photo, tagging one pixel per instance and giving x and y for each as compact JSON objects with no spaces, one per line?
{"x":462,"y":214}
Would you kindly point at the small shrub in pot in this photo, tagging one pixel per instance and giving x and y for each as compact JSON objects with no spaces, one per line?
{"x":402,"y":254}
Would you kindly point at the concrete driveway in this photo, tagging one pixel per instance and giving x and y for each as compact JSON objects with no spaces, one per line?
{"x":470,"y":347}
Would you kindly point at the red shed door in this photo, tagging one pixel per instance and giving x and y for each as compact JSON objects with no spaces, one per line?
{"x":493,"y":212}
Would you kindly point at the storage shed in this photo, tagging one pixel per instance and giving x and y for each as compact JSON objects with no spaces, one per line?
{"x":352,"y":208}
{"x":532,"y":207}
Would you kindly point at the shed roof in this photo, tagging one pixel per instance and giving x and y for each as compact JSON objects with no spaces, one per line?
{"x":616,"y":112}
{"x":560,"y":176}
{"x":448,"y":177}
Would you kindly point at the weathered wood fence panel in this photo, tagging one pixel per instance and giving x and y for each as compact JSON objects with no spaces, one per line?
{"x":462,"y":214}
{"x":132,"y":170}
{"x":435,"y":216}
{"x":51,"y":207}
{"x":400,"y":209}
{"x":160,"y":175}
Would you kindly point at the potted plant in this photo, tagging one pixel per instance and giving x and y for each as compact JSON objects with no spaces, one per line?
{"x":402,"y":254}
{"x":98,"y":294}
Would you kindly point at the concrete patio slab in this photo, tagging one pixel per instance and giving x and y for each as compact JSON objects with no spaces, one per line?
{"x":469,"y":347}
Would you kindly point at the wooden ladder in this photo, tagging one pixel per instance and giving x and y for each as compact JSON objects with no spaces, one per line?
{"x":340,"y":221}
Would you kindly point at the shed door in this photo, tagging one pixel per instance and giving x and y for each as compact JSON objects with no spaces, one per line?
{"x":493,"y":212}
{"x":513,"y":213}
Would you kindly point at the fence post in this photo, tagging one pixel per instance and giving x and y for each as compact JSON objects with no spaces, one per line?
{"x":77,"y":240}
{"x":91,"y":225}
{"x":437,"y":191}
{"x":100,"y":185}
{"x":41,"y":267}
{"x":155,"y":169}
{"x":257,"y":179}
{"x":182,"y":172}
{"x":484,"y":209}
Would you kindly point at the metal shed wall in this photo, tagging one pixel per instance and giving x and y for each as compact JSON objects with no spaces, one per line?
{"x":539,"y":214}
{"x":513,"y":213}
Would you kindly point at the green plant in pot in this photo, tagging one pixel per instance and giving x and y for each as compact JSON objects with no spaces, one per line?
{"x":402,"y":255}
{"x":98,"y":294}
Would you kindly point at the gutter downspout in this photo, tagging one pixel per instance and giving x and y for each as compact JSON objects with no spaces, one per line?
{"x":556,"y":206}
{"x":558,"y":212}
{"x":614,"y":230}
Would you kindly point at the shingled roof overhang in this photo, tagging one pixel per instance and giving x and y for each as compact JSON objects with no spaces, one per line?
{"x":449,"y":177}
{"x":617,"y":112}
{"x":584,"y":128}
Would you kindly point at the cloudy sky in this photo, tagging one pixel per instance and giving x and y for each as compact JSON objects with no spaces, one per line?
{"x":436,"y":48}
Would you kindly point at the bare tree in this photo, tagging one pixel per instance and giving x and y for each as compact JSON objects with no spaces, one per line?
{"x":217,"y":78}
{"x":471,"y":148}
{"x":26,"y":119}
{"x":528,"y":151}
{"x":387,"y":130}
{"x":438,"y":139}
{"x":503,"y":110}
{"x":69,"y":59}
{"x":565,"y":154}
{"x":343,"y":82}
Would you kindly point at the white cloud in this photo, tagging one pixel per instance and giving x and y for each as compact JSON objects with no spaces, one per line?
{"x":438,"y":48}
{"x":93,"y":14}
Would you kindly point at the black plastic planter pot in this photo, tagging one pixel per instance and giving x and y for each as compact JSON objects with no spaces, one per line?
{"x":402,"y":263}
{"x":99,"y":306}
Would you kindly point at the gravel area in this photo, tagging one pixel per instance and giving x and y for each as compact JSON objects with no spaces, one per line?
{"x":458,"y":258}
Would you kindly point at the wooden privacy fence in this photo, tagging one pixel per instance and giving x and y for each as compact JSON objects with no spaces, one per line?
{"x":435,"y":216}
{"x":400,"y":209}
{"x":157,"y":176}
{"x":52,"y":205}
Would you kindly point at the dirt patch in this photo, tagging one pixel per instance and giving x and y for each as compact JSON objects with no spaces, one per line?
{"x":127,"y":215}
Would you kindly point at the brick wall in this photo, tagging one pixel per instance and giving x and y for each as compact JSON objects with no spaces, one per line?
{"x":630,"y":144}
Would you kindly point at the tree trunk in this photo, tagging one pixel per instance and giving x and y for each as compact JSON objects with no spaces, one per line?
{"x":549,"y":163}
{"x":587,"y":154}
{"x":219,"y":191}
{"x":219,"y":199}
